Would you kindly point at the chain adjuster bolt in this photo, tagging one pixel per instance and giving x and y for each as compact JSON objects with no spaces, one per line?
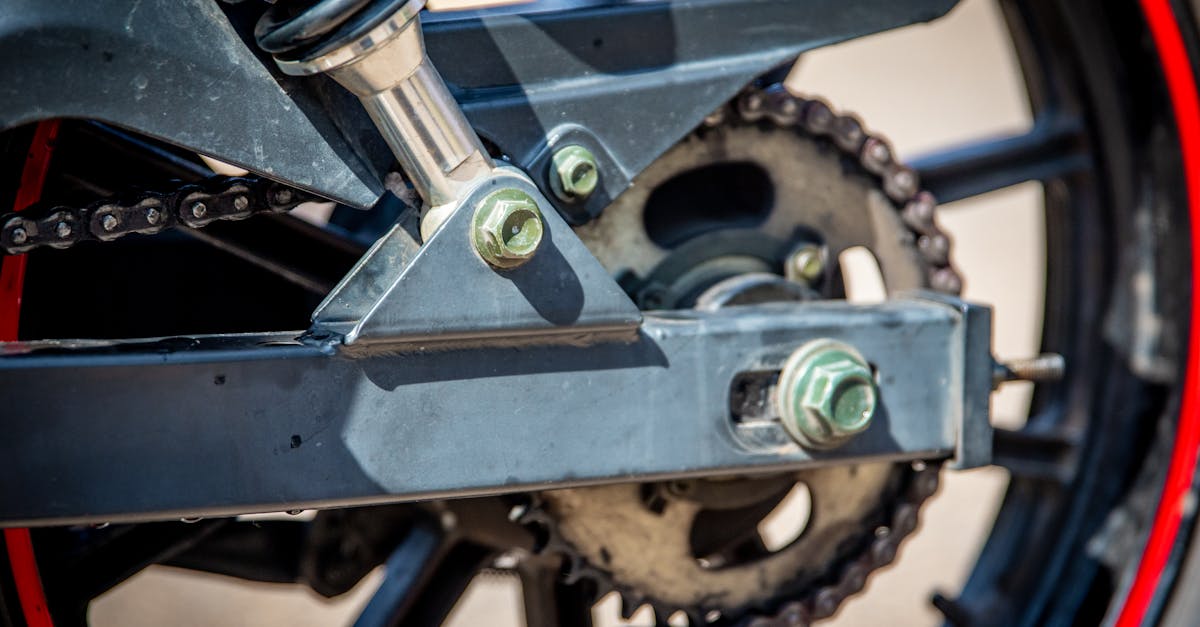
{"x":826,"y":394}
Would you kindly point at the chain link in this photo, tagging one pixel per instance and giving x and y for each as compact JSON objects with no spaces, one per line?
{"x":193,"y":205}
{"x":874,"y":154}
{"x":917,"y":209}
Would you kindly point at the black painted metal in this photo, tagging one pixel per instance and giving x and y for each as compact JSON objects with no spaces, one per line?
{"x":402,"y":577}
{"x":185,"y":426}
{"x":1051,"y":150}
{"x":637,"y":75}
{"x":175,"y":70}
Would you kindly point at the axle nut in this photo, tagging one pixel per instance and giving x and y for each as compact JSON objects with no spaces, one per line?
{"x":573,"y":173}
{"x":507,"y":228}
{"x":826,"y":394}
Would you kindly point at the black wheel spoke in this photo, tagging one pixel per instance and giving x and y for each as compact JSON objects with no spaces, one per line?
{"x":74,"y":578}
{"x":1035,"y":454}
{"x":406,"y":570}
{"x":1052,"y":148}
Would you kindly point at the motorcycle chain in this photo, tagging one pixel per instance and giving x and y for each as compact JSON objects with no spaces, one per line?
{"x":192,"y":205}
{"x":901,"y":184}
{"x":872,"y":153}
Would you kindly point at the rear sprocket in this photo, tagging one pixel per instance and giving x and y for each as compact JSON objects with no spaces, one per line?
{"x":764,"y":176}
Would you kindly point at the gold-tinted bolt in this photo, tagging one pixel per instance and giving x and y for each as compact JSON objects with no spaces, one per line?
{"x":806,"y":264}
{"x":573,"y":173}
{"x":507,"y":228}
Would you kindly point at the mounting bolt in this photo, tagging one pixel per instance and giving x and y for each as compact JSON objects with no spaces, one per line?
{"x":153,"y":215}
{"x":19,"y":235}
{"x":109,"y":222}
{"x":507,"y":228}
{"x":240,"y":203}
{"x":806,"y":264}
{"x":573,"y":173}
{"x":198,"y":210}
{"x":826,"y":394}
{"x":63,"y":230}
{"x":1045,"y":368}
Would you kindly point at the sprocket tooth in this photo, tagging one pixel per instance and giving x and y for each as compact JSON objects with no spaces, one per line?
{"x":575,"y":570}
{"x":629,"y":605}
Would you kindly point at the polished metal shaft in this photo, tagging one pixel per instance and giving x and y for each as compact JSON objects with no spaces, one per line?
{"x":407,"y":99}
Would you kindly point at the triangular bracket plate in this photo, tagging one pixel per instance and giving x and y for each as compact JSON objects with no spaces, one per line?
{"x":443,"y":292}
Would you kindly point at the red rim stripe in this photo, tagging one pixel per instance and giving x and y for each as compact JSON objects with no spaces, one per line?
{"x":12,"y":278}
{"x":1182,"y":87}
{"x":12,"y":270}
{"x":1181,"y":84}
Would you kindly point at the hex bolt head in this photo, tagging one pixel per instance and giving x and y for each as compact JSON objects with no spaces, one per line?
{"x":507,"y":228}
{"x":826,"y":394}
{"x":806,"y":264}
{"x":109,"y":222}
{"x":574,"y":174}
{"x":240,"y":203}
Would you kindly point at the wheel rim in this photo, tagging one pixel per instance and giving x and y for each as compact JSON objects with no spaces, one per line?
{"x":1035,"y":511}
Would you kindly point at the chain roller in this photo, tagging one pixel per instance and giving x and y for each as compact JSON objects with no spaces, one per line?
{"x":193,"y":205}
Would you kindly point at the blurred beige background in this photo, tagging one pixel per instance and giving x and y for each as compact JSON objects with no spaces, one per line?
{"x":925,"y":87}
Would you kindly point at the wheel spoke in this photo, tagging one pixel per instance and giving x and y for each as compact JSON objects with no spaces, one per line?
{"x":408,"y":568}
{"x":1034,"y":454}
{"x":1052,"y":148}
{"x":75,"y":579}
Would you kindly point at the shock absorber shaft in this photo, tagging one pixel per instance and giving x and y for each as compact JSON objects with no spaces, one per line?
{"x":385,"y":65}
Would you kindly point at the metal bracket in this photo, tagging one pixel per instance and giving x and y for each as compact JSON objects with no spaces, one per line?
{"x":974,"y":435}
{"x":444,"y":292}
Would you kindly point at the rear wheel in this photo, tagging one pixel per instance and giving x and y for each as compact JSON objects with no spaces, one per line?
{"x":1087,"y":469}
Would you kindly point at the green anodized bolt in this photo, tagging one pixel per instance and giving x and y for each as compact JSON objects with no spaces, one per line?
{"x":573,"y":173}
{"x":507,"y":228}
{"x":826,"y":394}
